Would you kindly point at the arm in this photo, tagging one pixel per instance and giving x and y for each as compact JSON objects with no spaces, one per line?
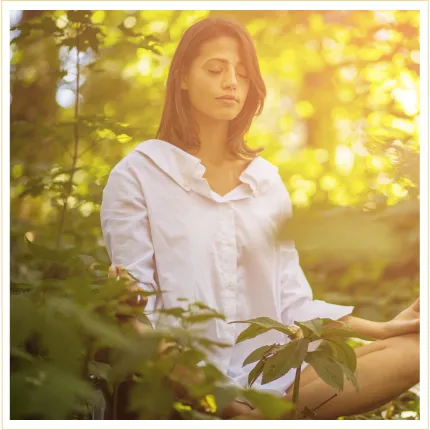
{"x":407,"y":321}
{"x":125,"y":227}
{"x":298,"y":304}
{"x":364,"y":327}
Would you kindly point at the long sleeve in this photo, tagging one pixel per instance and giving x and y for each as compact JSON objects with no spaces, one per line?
{"x":125,"y":226}
{"x":297,"y":303}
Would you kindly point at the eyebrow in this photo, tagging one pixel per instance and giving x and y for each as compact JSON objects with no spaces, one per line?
{"x":223,"y":60}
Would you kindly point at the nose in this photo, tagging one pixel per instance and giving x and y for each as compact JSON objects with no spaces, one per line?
{"x":230,"y":80}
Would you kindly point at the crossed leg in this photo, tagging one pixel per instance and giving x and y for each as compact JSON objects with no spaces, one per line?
{"x":385,"y":369}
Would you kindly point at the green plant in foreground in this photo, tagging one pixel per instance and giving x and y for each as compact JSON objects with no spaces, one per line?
{"x":332,"y":360}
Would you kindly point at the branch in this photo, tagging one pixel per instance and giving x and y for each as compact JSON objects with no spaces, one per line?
{"x":76,"y":136}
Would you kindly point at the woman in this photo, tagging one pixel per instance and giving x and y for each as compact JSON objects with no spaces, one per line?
{"x":193,"y":213}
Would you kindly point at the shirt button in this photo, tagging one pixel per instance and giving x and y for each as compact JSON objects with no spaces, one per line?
{"x":230,"y":284}
{"x":229,"y":243}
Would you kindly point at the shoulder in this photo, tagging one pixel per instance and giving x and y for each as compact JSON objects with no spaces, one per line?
{"x":133,"y":159}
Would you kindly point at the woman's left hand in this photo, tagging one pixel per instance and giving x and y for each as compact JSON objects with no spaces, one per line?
{"x":407,"y":321}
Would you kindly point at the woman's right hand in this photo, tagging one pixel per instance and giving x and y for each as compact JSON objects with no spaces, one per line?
{"x":119,"y":271}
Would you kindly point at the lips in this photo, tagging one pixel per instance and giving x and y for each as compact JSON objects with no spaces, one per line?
{"x":228,"y":98}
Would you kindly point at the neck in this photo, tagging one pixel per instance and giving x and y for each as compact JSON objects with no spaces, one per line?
{"x":213,"y":141}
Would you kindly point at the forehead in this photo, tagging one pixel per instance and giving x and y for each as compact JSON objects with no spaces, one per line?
{"x":221,"y":47}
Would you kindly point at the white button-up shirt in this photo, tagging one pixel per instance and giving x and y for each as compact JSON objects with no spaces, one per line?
{"x":162,"y":221}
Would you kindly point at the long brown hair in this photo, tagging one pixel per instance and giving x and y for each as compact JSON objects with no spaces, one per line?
{"x":177,"y":125}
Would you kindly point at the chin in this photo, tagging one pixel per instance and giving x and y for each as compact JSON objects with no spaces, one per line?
{"x":226,"y":115}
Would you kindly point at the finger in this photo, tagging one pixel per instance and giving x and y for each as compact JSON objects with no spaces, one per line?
{"x":416,"y":305}
{"x":112,"y":272}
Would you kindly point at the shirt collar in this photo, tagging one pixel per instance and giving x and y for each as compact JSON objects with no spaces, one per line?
{"x":186,"y":169}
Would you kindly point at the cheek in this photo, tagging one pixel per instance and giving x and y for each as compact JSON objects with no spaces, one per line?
{"x":246,"y":86}
{"x":200,"y":90}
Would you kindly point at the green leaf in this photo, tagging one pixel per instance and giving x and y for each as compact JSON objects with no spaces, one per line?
{"x":272,"y":407}
{"x":251,"y":332}
{"x":203,"y":317}
{"x":344,"y":352}
{"x":99,"y":370}
{"x":210,"y":344}
{"x":290,"y":356}
{"x":153,"y":399}
{"x":327,"y":321}
{"x":255,"y":373}
{"x":268,"y":324}
{"x":176,"y":312}
{"x":103,"y":331}
{"x":24,"y":319}
{"x":330,"y":332}
{"x":349,"y":375}
{"x":62,"y":340}
{"x":58,"y":255}
{"x":328,"y":369}
{"x":315,"y":325}
{"x":224,"y":396}
{"x":48,"y":392}
{"x":256,"y":355}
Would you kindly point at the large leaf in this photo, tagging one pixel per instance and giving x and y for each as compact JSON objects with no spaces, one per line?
{"x":272,"y":407}
{"x":203,"y":317}
{"x":24,"y":318}
{"x":328,"y":369}
{"x":290,"y":356}
{"x":350,"y":375}
{"x":269,"y":324}
{"x":256,"y":355}
{"x":107,"y":333}
{"x":224,"y":396}
{"x":58,"y":255}
{"x":63,"y":341}
{"x":212,"y":344}
{"x":48,"y":393}
{"x":252,"y":331}
{"x":314,"y":326}
{"x":255,"y":373}
{"x":327,"y":321}
{"x":344,"y":352}
{"x":152,"y":399}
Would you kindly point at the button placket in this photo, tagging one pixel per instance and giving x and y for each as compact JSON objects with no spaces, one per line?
{"x":229,"y":262}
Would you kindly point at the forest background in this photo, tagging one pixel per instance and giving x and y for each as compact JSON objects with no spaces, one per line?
{"x":341,"y":120}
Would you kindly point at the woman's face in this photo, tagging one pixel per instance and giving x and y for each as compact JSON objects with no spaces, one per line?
{"x":216,"y":72}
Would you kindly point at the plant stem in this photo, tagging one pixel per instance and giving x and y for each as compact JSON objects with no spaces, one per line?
{"x":76,"y":138}
{"x":323,"y":403}
{"x":296,"y":392}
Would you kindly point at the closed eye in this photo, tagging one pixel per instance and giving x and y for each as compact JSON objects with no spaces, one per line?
{"x":217,"y":72}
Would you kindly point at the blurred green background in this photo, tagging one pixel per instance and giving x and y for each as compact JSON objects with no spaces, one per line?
{"x":341,"y":120}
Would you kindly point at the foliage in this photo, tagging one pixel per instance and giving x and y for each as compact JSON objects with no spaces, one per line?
{"x":332,"y":360}
{"x":340,"y":121}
